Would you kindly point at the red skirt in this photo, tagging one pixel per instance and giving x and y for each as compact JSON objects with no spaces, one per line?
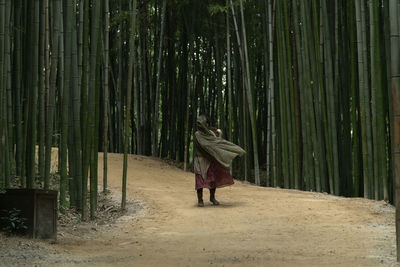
{"x":217,"y":176}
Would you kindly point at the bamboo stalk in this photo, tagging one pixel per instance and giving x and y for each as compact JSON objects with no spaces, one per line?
{"x":106,"y":92}
{"x":2,"y":147}
{"x":128,"y":100}
{"x":395,"y":79}
{"x":155,"y":151}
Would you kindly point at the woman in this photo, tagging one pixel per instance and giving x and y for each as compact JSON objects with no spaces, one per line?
{"x":212,"y":159}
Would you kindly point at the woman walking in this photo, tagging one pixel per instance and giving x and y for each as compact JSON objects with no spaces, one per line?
{"x":212,"y":159}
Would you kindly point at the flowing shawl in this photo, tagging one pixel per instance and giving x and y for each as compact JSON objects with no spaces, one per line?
{"x":212,"y":147}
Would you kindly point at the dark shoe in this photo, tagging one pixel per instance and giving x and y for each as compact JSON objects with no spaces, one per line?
{"x":212,"y":197}
{"x":200,"y":202}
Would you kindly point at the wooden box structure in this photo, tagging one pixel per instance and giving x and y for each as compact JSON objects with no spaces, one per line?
{"x":39,"y":207}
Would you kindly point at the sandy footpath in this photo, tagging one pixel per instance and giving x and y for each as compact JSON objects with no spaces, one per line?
{"x":253,"y":226}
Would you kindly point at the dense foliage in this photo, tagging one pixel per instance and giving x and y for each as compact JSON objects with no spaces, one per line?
{"x":303,"y":86}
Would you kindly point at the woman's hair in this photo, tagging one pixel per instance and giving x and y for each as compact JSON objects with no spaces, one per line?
{"x":203,"y":122}
{"x":203,"y":117}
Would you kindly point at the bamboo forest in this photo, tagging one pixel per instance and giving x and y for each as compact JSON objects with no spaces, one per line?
{"x":309,"y":89}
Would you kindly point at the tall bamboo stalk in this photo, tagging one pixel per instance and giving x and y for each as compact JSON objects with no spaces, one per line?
{"x":330,"y":104}
{"x":395,"y":79}
{"x":65,"y":103}
{"x":94,"y":155}
{"x":187,"y":134}
{"x":31,"y":172}
{"x":94,"y":78}
{"x":249,"y":95}
{"x":132,"y":49}
{"x":42,"y":89}
{"x":380,"y":108}
{"x":363,"y":104}
{"x":367,"y":101}
{"x":271,"y":115}
{"x":303,"y":71}
{"x":282,"y":97}
{"x":2,"y":145}
{"x":155,"y":151}
{"x":9,"y":131}
{"x":52,"y":89}
{"x":17,"y":82}
{"x":229,"y":76}
{"x":374,"y":89}
{"x":76,"y":198}
{"x":106,"y":91}
{"x":85,"y":105}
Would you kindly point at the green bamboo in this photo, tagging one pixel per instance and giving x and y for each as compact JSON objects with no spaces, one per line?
{"x":187,"y":112}
{"x":286,"y":95}
{"x":248,"y":89}
{"x":136,"y":118}
{"x":132,"y":49}
{"x":8,"y":126}
{"x":76,"y":128}
{"x":395,"y":79}
{"x":388,"y":182}
{"x":51,"y":95}
{"x":373,"y":98}
{"x":317,"y":85}
{"x":330,"y":103}
{"x":265,"y":94}
{"x":9,"y":152}
{"x":155,"y":151}
{"x":218,"y":64}
{"x":91,"y":133}
{"x":293,"y":86}
{"x":245,"y":131}
{"x":311,"y":101}
{"x":42,"y":90}
{"x":363,"y":87}
{"x":381,"y":113}
{"x":65,"y":104}
{"x":242,"y":110}
{"x":17,"y":82}
{"x":344,"y":99}
{"x":282,"y":97}
{"x":95,"y":136}
{"x":249,"y":96}
{"x":271,"y":84}
{"x":295,"y":106}
{"x":87,"y":65}
{"x":2,"y":25}
{"x":354,"y":106}
{"x":326,"y":183}
{"x":229,"y":77}
{"x":106,"y":92}
{"x":119,"y":96}
{"x":31,"y":145}
{"x":304,"y":73}
{"x":367,"y":98}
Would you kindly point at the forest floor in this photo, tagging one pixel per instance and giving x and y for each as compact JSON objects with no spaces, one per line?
{"x":253,"y":226}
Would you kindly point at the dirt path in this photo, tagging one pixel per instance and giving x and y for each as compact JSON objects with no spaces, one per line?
{"x":253,"y":226}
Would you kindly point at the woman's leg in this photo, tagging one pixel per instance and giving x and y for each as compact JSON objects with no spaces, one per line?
{"x":212,"y":196}
{"x":200,"y":197}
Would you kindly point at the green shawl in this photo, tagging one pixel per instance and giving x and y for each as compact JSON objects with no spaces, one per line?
{"x":208,"y":144}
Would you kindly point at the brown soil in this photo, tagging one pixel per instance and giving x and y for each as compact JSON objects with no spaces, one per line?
{"x":253,"y":226}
